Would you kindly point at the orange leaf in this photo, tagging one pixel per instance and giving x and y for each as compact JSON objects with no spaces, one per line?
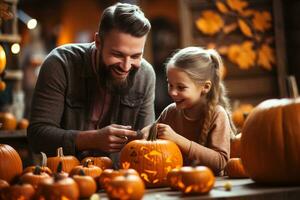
{"x":262,"y":21}
{"x":222,"y":7}
{"x":247,"y":13}
{"x":223,"y":50}
{"x":210,"y":22}
{"x":243,"y":55}
{"x":245,"y":28}
{"x":211,"y":45}
{"x":237,"y":5}
{"x":229,"y":28}
{"x":266,"y":57}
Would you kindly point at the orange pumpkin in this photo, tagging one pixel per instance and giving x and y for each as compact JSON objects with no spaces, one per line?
{"x":108,"y":174}
{"x":2,"y":86}
{"x":19,"y":191}
{"x":68,"y":162}
{"x":152,"y":158}
{"x":3,"y":184}
{"x":240,"y":114}
{"x":173,"y":178}
{"x":43,"y":168}
{"x":102,"y":162}
{"x":235,"y":146}
{"x":88,"y":168}
{"x":34,"y":178}
{"x":2,"y":59}
{"x":196,"y":180}
{"x":235,"y":169}
{"x":126,"y":187}
{"x":8,"y":121}
{"x":11,"y":163}
{"x":23,"y":124}
{"x":58,"y":188}
{"x":271,"y":142}
{"x":86,"y":184}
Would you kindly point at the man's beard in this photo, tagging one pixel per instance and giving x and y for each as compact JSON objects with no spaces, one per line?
{"x":113,"y":84}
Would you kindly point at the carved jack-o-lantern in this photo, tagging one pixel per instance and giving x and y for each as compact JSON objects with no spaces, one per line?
{"x":126,"y":187}
{"x":152,"y":158}
{"x":196,"y":180}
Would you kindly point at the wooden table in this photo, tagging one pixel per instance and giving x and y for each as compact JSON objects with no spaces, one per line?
{"x":241,"y":189}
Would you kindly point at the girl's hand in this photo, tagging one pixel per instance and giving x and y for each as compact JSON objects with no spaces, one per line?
{"x":164,"y":131}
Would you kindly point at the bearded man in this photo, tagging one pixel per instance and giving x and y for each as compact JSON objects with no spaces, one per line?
{"x":91,"y":98}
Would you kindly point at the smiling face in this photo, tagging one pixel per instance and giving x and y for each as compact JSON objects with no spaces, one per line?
{"x":182,"y":89}
{"x":121,"y":54}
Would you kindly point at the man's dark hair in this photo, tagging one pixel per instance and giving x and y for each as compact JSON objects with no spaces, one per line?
{"x":126,"y":18}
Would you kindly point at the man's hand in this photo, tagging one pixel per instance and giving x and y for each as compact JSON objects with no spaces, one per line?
{"x":110,"y":139}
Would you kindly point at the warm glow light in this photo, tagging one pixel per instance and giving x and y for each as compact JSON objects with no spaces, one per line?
{"x":31,"y":24}
{"x":15,"y":48}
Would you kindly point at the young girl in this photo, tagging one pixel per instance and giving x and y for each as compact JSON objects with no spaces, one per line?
{"x":198,"y":121}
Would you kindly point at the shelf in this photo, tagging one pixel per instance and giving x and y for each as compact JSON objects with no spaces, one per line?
{"x":16,"y":74}
{"x":10,"y":38}
{"x":13,"y":134}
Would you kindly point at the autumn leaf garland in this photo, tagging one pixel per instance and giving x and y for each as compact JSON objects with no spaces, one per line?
{"x":256,"y":49}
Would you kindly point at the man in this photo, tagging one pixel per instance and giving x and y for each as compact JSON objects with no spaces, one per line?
{"x":91,"y":98}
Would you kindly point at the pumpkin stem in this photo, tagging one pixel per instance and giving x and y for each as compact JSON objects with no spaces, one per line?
{"x":44,"y":159}
{"x":37,"y":170}
{"x":292,"y":87}
{"x":81,"y":172}
{"x":87,"y":162}
{"x":60,"y":152}
{"x":59,"y":167}
{"x":152,"y":132}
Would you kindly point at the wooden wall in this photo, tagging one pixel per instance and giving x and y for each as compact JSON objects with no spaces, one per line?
{"x":247,"y":86}
{"x":292,"y":30}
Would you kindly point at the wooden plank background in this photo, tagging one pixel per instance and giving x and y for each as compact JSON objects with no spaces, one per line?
{"x":246,"y":86}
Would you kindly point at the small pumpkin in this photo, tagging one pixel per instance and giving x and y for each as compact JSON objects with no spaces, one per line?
{"x":235,"y":169}
{"x":235,"y":146}
{"x":86,"y":184}
{"x":126,"y":187}
{"x":34,"y":178}
{"x":108,"y":174}
{"x":2,"y":85}
{"x":102,"y":162}
{"x":196,"y":180}
{"x":19,"y":191}
{"x":2,"y":59}
{"x":68,"y":162}
{"x":8,"y":120}
{"x":152,"y":158}
{"x":271,"y":142}
{"x":3,"y":184}
{"x":88,"y":168}
{"x":173,"y":178}
{"x":240,"y":114}
{"x":22,"y":124}
{"x":11,"y":163}
{"x":58,"y":187}
{"x":43,"y":167}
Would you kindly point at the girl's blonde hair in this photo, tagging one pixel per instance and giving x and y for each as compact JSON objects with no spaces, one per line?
{"x":202,"y":65}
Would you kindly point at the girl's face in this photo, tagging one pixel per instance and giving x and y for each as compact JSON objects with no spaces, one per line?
{"x":182,"y":89}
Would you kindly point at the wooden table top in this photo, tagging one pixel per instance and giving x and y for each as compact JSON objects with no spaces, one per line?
{"x":241,"y":189}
